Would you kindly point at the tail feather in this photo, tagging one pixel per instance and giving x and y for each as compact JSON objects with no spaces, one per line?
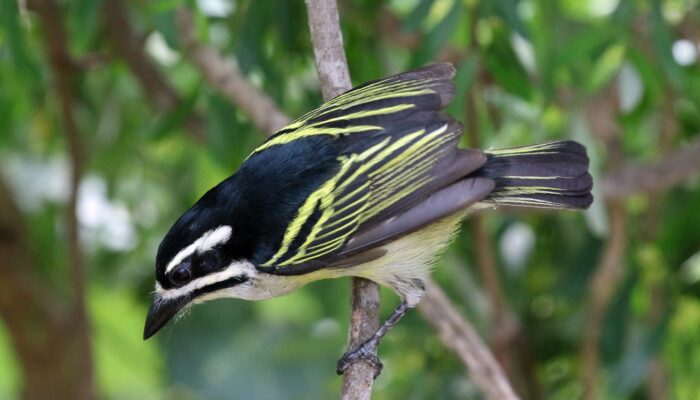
{"x":548,"y":175}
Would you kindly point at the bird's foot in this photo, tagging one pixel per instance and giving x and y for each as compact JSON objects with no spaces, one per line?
{"x":367,"y":353}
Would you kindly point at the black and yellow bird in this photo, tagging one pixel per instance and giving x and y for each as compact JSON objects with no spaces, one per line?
{"x":370,"y":184}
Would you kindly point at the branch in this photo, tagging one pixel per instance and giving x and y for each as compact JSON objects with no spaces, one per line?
{"x":506,"y":333}
{"x":227,"y":79}
{"x":56,"y":41}
{"x":601,"y":290}
{"x":332,"y":68}
{"x":329,"y":53}
{"x":31,"y":313}
{"x":475,"y":356}
{"x":462,"y":338}
{"x":129,"y":46}
{"x":671,"y":170}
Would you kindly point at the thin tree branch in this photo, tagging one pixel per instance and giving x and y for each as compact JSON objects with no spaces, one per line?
{"x":128,"y":45}
{"x":33,"y":315}
{"x":329,"y":53}
{"x":227,"y":79}
{"x":468,"y":350}
{"x":462,"y":338}
{"x":600,"y":292}
{"x":671,"y":170}
{"x":332,"y":68}
{"x":440,"y":302}
{"x":506,"y":333}
{"x":504,"y":327}
{"x":64,"y":74}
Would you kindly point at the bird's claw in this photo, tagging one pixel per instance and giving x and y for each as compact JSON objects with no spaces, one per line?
{"x":366,"y":353}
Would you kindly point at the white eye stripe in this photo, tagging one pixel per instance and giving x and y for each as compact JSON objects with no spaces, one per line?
{"x":210,"y":239}
{"x":238,"y":268}
{"x":206,"y":242}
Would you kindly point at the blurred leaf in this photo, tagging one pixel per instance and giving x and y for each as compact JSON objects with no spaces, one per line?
{"x":25,"y":69}
{"x":438,"y":35}
{"x":10,"y":379}
{"x":662,"y":42}
{"x":582,"y":45}
{"x":84,"y":19}
{"x":168,"y":123}
{"x":606,"y":67}
{"x":464,"y":79}
{"x":503,"y":64}
{"x":508,"y":10}
{"x":417,"y":16}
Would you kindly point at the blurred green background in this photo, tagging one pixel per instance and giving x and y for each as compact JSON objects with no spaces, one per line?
{"x":603,"y":304}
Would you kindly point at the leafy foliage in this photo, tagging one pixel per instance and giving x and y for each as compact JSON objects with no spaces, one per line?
{"x":527,"y":72}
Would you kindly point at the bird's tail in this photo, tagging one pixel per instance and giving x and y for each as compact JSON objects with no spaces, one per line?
{"x":548,"y":175}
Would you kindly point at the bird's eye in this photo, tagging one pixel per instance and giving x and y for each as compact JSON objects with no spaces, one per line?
{"x":180,"y":275}
{"x":209,"y":261}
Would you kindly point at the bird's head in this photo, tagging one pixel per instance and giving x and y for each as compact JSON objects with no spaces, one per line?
{"x":199,"y":259}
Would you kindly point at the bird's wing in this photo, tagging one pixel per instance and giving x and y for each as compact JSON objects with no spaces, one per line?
{"x":398,"y":151}
{"x":366,"y":109}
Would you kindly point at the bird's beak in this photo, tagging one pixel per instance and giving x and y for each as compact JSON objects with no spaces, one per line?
{"x":161,"y":312}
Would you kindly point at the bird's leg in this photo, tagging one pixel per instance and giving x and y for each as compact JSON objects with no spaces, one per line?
{"x":368,"y":350}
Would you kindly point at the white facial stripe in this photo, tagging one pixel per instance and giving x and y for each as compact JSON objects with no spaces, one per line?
{"x":184,"y":253}
{"x":237,"y":268}
{"x":210,"y":239}
{"x":207,"y":241}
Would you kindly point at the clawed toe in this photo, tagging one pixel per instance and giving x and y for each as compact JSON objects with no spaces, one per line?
{"x":364,"y":353}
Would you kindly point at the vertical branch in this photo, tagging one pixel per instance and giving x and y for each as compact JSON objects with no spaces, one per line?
{"x":32,"y":313}
{"x":601,"y":291}
{"x":55,"y":42}
{"x":333,"y":73}
{"x":457,"y":334}
{"x":505,"y":328}
{"x":329,"y":53}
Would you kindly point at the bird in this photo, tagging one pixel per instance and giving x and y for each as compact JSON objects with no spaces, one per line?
{"x":371,"y":184}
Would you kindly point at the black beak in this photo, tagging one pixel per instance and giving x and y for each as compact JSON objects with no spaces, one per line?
{"x":161,"y":312}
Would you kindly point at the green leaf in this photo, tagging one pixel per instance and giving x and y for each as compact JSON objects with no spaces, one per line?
{"x":25,"y":68}
{"x":169,"y":122}
{"x":10,"y":379}
{"x":607,"y":66}
{"x":417,"y":16}
{"x":438,"y":35}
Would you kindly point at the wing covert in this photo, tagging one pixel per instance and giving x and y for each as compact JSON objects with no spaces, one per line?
{"x":385,"y":177}
{"x":397,"y":149}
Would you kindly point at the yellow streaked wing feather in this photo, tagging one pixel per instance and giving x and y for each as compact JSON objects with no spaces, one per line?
{"x":365,"y":184}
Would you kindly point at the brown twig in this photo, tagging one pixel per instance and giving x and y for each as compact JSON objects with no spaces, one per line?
{"x":128,"y":45}
{"x":600,"y":292}
{"x":33,"y":314}
{"x":461,"y":337}
{"x":671,"y":170}
{"x":504,"y":326}
{"x":56,"y":42}
{"x":429,"y":302}
{"x":462,"y":346}
{"x":329,"y":53}
{"x":227,"y":79}
{"x":332,"y":68}
{"x":505,"y":331}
